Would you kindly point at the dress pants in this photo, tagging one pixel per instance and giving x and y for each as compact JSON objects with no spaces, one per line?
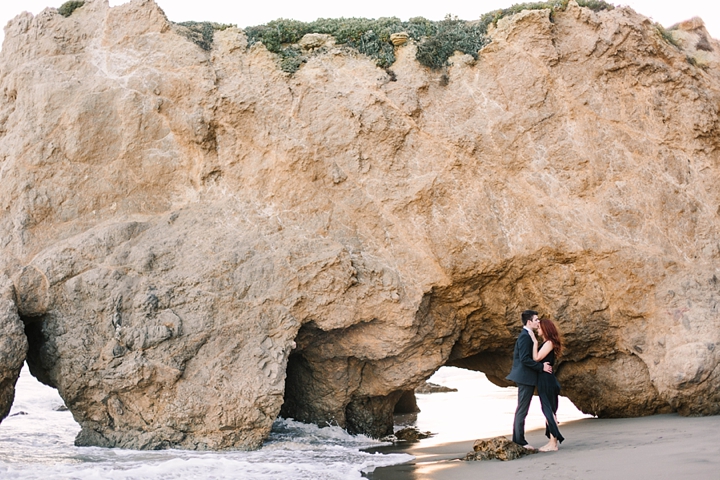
{"x":525,"y":394}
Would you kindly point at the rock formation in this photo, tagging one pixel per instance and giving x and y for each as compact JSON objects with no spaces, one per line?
{"x":13,"y":346}
{"x":429,"y":387}
{"x":410,"y":434}
{"x":500,"y":448}
{"x":198,"y":241}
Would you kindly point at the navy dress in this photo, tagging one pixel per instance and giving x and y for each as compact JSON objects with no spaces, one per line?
{"x":549,"y":390}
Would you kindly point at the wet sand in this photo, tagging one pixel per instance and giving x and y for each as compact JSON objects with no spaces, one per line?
{"x":656,"y":447}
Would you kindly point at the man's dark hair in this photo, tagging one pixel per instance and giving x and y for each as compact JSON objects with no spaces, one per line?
{"x":527,"y":315}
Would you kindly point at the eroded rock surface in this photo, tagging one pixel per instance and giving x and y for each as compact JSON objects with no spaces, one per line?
{"x":411,"y":434}
{"x":198,"y":241}
{"x":13,"y":345}
{"x":500,"y":448}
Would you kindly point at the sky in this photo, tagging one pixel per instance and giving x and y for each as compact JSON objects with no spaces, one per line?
{"x":245,"y":14}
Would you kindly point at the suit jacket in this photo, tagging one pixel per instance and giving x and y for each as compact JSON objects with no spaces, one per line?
{"x":524,"y":369}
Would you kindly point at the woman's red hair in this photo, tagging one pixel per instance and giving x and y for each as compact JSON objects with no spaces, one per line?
{"x":550,"y":332}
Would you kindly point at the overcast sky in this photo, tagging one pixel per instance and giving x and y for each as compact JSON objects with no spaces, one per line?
{"x":255,"y":12}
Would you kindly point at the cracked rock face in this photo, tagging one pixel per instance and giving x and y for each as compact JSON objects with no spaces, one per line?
{"x":13,"y":345}
{"x":197,"y":242}
{"x":160,"y":355}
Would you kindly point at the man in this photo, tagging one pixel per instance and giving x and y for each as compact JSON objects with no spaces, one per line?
{"x":524,"y":373}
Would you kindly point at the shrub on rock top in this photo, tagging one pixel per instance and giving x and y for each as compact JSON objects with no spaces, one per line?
{"x":201,"y":33}
{"x":437,"y":40}
{"x":67,"y":8}
{"x":371,"y":37}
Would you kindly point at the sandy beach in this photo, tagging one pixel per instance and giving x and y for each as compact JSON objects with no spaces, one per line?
{"x":656,"y":447}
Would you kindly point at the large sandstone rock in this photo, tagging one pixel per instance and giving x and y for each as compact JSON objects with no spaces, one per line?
{"x":199,"y":242}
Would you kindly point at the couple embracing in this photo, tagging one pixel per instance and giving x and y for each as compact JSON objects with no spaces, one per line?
{"x":533,"y":367}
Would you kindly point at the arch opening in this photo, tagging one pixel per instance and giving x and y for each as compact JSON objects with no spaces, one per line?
{"x":478,"y":409}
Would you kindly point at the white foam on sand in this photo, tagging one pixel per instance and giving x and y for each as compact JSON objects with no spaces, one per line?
{"x":36,"y":442}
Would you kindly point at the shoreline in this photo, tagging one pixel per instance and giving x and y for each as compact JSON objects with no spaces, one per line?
{"x":658,"y":446}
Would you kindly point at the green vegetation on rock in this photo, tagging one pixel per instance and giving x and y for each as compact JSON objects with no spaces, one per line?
{"x":444,"y":38}
{"x":67,"y":8}
{"x":436,"y":41}
{"x":666,"y":35}
{"x":202,"y":32}
{"x":552,"y":5}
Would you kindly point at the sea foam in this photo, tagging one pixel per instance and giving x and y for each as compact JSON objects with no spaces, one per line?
{"x":36,"y":442}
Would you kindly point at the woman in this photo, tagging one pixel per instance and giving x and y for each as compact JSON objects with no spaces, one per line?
{"x":548,"y":386}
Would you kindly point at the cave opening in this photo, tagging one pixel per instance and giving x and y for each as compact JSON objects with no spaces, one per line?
{"x":37,"y":404}
{"x":37,"y":342}
{"x":37,"y":409}
{"x":311,"y":396}
{"x":298,"y":373}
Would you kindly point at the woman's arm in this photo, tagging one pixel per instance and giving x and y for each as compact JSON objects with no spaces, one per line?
{"x":544,"y":350}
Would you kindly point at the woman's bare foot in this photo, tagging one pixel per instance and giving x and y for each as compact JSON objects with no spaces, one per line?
{"x":551,"y":446}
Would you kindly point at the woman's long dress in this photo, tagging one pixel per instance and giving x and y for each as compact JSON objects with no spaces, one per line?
{"x":549,"y":390}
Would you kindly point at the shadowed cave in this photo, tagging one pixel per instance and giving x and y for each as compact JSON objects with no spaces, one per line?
{"x":36,"y":343}
{"x":372,"y":416}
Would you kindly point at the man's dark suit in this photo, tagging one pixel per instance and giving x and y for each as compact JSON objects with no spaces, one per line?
{"x":524,"y":373}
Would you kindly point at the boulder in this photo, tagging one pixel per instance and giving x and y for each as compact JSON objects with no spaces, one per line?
{"x":314,"y":41}
{"x":411,"y":434}
{"x":399,"y":38}
{"x":199,"y":242}
{"x":499,"y":448}
{"x":429,"y":387}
